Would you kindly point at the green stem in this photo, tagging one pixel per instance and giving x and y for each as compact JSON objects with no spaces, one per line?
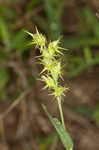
{"x":61,"y":112}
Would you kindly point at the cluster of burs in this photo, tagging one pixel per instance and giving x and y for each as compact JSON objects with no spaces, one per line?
{"x":49,"y":58}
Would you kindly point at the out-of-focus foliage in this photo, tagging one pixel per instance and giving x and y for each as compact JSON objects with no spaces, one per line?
{"x":4,"y":32}
{"x":10,"y":40}
{"x":20,"y":41}
{"x":32,"y":4}
{"x":13,"y":39}
{"x":83,"y":44}
{"x":46,"y":143}
{"x":54,"y":10}
{"x":4,"y":78}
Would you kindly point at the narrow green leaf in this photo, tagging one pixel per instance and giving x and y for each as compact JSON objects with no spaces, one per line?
{"x":4,"y":77}
{"x":88,"y":55}
{"x":4,"y":32}
{"x":63,"y":134}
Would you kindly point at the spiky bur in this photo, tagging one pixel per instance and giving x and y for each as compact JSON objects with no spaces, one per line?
{"x":50,"y":60}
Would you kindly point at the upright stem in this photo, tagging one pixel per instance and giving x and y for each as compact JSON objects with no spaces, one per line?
{"x":61,"y":112}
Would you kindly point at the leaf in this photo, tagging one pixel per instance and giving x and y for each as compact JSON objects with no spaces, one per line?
{"x":4,"y":77}
{"x":85,"y":111}
{"x":73,"y":42}
{"x":45,"y":143}
{"x":4,"y":32}
{"x":63,"y":134}
{"x":96,"y":116}
{"x":54,"y":8}
{"x":88,"y":55}
{"x":3,"y":95}
{"x":32,"y":4}
{"x":20,"y":41}
{"x":3,"y":54}
{"x":91,"y":21}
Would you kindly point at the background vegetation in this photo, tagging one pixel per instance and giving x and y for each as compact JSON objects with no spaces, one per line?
{"x":23,"y":124}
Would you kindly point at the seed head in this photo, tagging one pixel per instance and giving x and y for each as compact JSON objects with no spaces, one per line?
{"x":38,"y":39}
{"x":49,"y":82}
{"x":52,"y":66}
